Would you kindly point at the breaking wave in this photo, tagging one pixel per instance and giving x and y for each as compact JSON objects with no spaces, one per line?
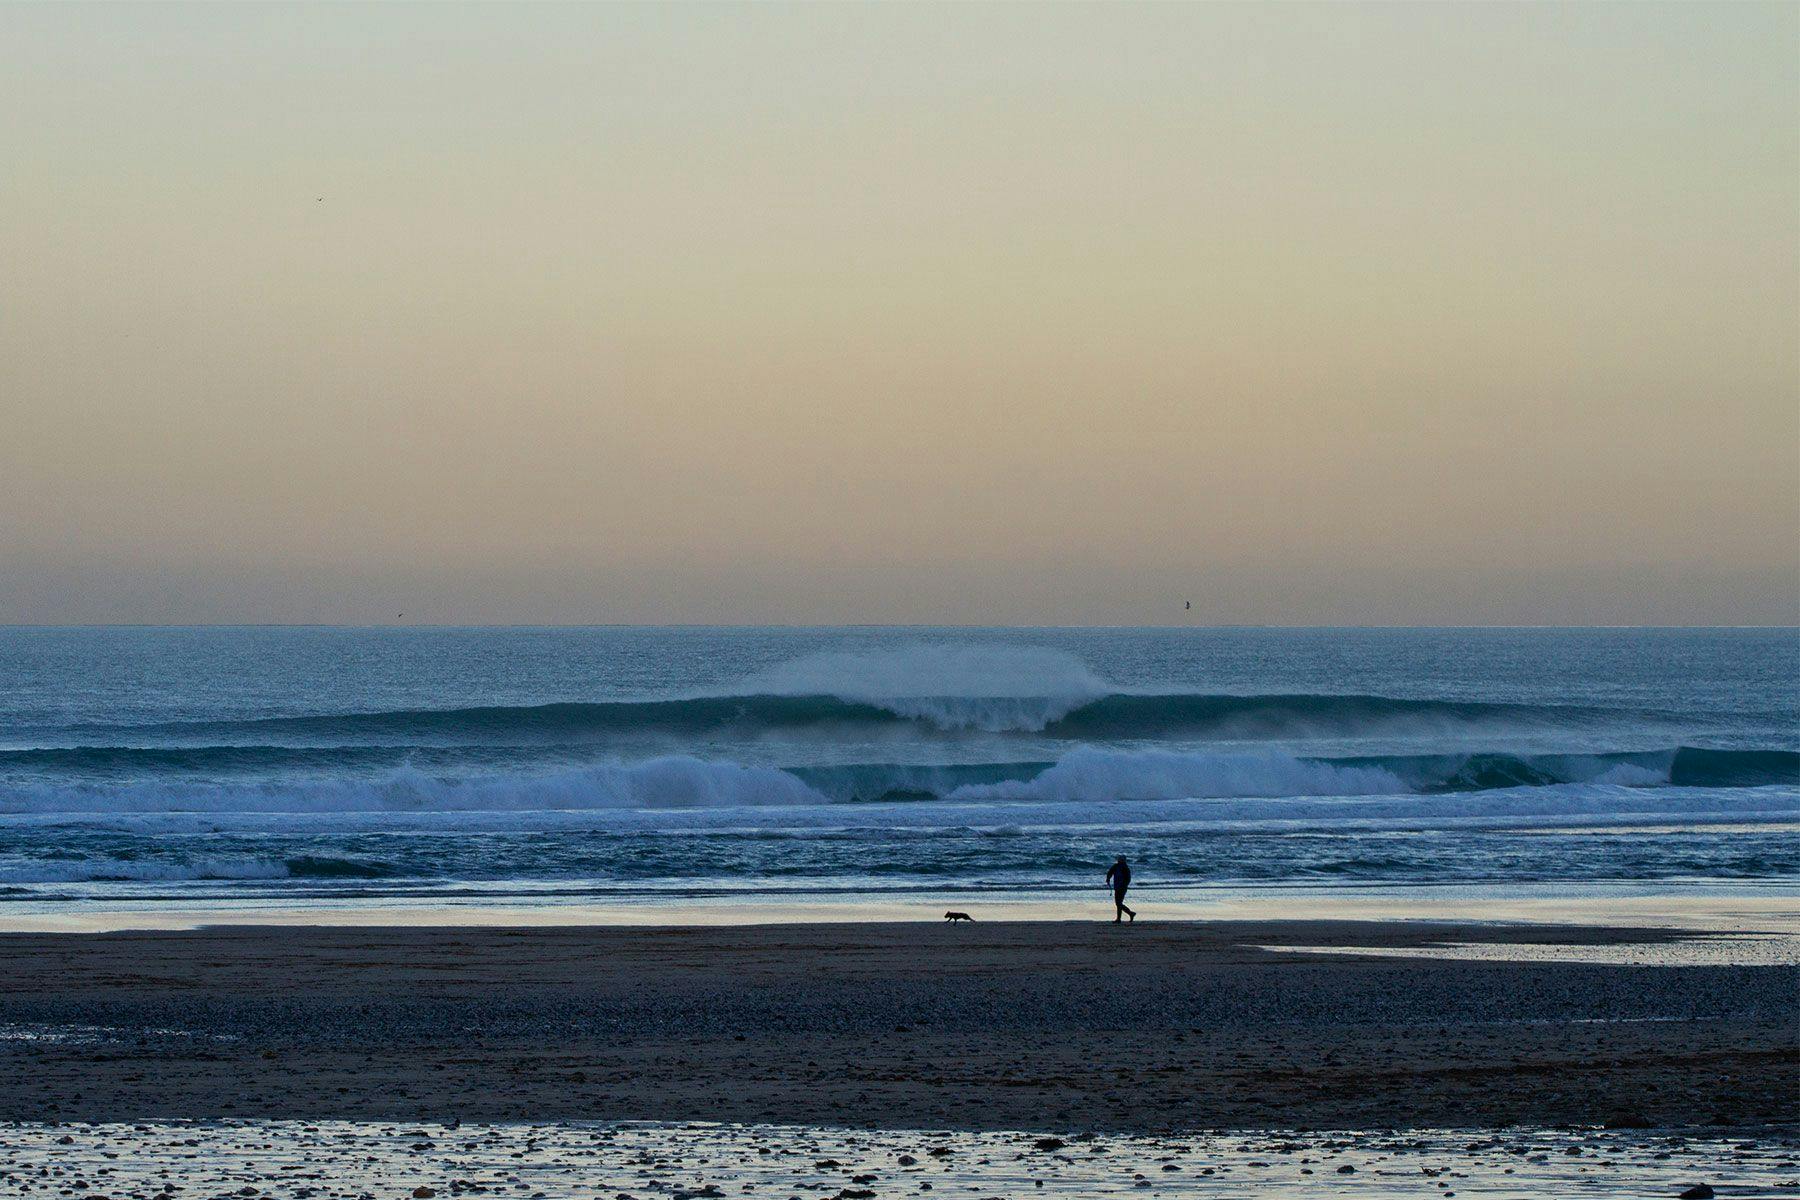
{"x":1117,"y":715}
{"x":1087,"y":774}
{"x":946,"y":689}
{"x":123,"y":870}
{"x":1101,"y":775}
{"x":679,"y":781}
{"x":676,"y":782}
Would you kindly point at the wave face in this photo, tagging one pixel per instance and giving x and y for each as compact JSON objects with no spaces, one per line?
{"x":992,"y":689}
{"x":1118,"y":716}
{"x":935,"y":690}
{"x":529,"y":763}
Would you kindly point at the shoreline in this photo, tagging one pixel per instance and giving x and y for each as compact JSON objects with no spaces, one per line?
{"x":999,"y":1025}
{"x":1721,"y":906}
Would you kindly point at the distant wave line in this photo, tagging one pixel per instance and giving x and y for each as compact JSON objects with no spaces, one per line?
{"x":1087,"y":781}
{"x":98,"y":767}
{"x":1114,"y":715}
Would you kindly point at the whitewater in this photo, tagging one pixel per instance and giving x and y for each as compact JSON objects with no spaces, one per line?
{"x":543,"y":766}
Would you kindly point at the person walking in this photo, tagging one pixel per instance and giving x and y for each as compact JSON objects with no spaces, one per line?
{"x":1119,"y":875}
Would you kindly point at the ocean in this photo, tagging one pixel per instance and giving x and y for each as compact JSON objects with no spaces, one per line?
{"x":544,"y":767}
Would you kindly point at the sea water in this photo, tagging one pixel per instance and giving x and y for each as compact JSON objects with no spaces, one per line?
{"x":546,"y":767}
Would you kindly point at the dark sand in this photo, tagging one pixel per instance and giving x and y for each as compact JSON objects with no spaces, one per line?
{"x":1041,"y":1025}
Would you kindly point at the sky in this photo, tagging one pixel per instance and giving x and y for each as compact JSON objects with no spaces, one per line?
{"x":1342,"y":314}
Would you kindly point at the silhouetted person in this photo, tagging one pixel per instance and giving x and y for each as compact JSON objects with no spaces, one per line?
{"x":1119,"y":875}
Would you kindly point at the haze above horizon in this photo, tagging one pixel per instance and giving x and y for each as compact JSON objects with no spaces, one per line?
{"x":911,"y":314}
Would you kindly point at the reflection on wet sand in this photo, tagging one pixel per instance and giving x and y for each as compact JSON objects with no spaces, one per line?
{"x":332,"y":1160}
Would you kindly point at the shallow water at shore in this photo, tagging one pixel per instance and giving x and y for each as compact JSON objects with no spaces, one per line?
{"x":332,"y":1159}
{"x":1718,"y":923}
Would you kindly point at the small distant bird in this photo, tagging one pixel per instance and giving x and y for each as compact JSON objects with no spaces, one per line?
{"x":1188,"y":606}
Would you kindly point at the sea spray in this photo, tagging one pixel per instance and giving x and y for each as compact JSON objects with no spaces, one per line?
{"x":991,"y":688}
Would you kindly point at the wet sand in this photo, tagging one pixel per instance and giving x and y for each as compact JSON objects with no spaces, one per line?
{"x":993,"y":1026}
{"x":359,"y":1161}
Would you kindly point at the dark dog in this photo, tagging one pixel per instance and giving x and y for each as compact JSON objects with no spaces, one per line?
{"x":956,"y":916}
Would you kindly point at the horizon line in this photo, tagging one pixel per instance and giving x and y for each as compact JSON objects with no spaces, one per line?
{"x":866,"y":625}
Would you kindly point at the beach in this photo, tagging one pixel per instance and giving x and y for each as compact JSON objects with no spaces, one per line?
{"x":354,"y":914}
{"x":1052,"y":1026}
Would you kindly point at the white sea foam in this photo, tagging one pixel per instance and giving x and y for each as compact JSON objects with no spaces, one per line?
{"x":1631,"y":775}
{"x":673,"y":782}
{"x":92,"y":870}
{"x":1560,"y":806}
{"x":1087,"y":788}
{"x":1086,"y":775}
{"x":1094,"y":775}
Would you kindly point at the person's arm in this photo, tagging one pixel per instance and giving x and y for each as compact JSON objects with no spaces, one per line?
{"x":1110,"y":871}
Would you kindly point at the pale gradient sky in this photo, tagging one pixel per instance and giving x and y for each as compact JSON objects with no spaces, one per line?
{"x":1349,"y":314}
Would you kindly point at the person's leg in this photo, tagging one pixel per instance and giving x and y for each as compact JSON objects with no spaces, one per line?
{"x":1119,"y":909}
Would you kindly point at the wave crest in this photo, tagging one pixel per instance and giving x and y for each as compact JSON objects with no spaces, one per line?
{"x":1115,"y":715}
{"x":996,"y":689}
